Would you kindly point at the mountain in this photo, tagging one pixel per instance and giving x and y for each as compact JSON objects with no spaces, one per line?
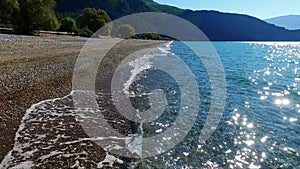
{"x":216,"y":25}
{"x":116,"y":8}
{"x":291,"y":22}
{"x":236,"y":27}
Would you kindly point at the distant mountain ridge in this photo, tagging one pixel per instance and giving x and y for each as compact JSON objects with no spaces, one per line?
{"x":220,"y":26}
{"x":291,"y":22}
{"x":116,"y":8}
{"x":216,"y":25}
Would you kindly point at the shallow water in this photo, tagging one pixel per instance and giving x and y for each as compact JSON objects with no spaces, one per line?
{"x":259,"y":128}
{"x":260,"y":125}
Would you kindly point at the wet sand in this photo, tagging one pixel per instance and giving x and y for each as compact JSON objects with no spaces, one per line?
{"x":37,"y":68}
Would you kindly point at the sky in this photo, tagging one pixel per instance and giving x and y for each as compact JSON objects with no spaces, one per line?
{"x":263,"y":9}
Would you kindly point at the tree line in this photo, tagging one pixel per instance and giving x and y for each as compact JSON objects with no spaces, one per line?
{"x":28,"y":16}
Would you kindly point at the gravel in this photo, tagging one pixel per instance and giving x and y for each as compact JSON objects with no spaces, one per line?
{"x":36,"y":68}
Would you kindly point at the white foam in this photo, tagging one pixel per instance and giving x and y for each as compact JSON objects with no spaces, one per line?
{"x":17,"y":146}
{"x":110,"y":160}
{"x":133,"y":144}
{"x":139,"y":65}
{"x":52,"y":153}
{"x":28,"y":141}
{"x":77,"y":165}
{"x":165,"y":49}
{"x":144,"y":63}
{"x":25,"y":164}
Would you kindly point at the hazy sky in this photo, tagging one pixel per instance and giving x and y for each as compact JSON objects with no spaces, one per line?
{"x":262,"y":9}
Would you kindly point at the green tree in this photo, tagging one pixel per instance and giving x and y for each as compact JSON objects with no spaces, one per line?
{"x":95,"y":24}
{"x":148,"y":36}
{"x":85,"y":32}
{"x":35,"y":15}
{"x":125,"y":31}
{"x":93,"y":20}
{"x":68,"y":24}
{"x":7,"y":7}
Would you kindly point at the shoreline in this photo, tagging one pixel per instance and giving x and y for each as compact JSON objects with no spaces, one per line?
{"x":33,"y":69}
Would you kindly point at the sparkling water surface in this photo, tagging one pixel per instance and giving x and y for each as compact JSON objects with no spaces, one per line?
{"x":259,"y":128}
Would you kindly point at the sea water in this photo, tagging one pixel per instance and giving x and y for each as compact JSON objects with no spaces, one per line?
{"x":259,"y":128}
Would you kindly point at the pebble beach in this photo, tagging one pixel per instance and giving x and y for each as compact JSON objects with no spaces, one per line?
{"x":37,"y":68}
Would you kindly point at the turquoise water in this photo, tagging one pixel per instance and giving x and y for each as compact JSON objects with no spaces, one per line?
{"x":260,"y":127}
